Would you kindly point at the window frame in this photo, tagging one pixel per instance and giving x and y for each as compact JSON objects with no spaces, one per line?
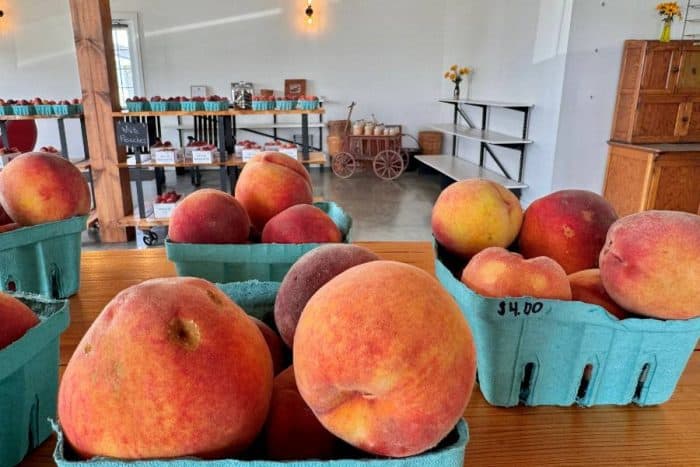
{"x":131,"y":20}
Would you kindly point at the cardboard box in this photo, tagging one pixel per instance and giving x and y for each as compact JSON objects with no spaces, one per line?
{"x":205,"y":157}
{"x":291,"y":152}
{"x":163,"y":210}
{"x":248,"y":154}
{"x":165,"y":156}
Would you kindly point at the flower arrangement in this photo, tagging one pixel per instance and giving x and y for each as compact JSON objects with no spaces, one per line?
{"x":456,"y":74}
{"x":668,"y":12}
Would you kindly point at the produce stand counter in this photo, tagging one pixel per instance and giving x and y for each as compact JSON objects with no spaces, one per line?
{"x":664,"y":435}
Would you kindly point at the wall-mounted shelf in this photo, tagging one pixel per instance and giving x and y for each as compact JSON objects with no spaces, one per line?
{"x":476,"y":134}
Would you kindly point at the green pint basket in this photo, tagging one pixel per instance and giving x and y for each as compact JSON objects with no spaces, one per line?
{"x":241,"y":262}
{"x":29,"y":380}
{"x":551,"y":352}
{"x":43,"y":259}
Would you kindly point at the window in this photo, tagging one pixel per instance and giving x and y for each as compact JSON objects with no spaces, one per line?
{"x":127,"y":56}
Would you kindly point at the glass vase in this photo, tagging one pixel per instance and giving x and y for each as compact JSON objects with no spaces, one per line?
{"x":666,"y":32}
{"x":456,"y":92}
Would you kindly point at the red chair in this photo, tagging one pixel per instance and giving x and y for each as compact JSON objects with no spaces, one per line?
{"x":21,"y":134}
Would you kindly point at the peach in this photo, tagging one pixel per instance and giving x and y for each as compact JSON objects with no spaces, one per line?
{"x":569,"y":226}
{"x":209,"y":216}
{"x":497,"y":272}
{"x":274,"y":344}
{"x":302,"y":223}
{"x":270,"y":183}
{"x":170,"y":368}
{"x":650,"y":264}
{"x":16,"y":319}
{"x":307,"y":275}
{"x":586,"y":286}
{"x":292,"y":431}
{"x":36,"y":188}
{"x":474,"y":214}
{"x":385,"y":359}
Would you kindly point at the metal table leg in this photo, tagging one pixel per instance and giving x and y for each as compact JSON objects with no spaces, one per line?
{"x":3,"y":133}
{"x":305,"y":136}
{"x":223,"y":154}
{"x":62,"y":137}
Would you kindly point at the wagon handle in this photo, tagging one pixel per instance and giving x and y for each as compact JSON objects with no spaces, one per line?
{"x":347,"y":122}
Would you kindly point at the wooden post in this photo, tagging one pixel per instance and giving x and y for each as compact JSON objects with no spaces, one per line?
{"x":92,"y":30}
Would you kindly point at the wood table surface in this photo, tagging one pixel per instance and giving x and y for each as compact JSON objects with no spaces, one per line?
{"x":667,"y":435}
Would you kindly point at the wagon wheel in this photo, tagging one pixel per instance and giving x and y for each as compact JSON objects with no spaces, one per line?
{"x":344,"y":165}
{"x":388,"y":165}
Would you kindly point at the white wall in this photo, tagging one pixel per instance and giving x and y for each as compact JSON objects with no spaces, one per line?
{"x":388,"y":56}
{"x":37,"y":59}
{"x":598,"y":30}
{"x":517,"y":49}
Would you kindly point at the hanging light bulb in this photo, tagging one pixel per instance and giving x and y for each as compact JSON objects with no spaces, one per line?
{"x":309,"y":12}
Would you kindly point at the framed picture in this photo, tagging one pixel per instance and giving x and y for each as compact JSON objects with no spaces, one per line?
{"x":198,"y":90}
{"x":294,"y":87}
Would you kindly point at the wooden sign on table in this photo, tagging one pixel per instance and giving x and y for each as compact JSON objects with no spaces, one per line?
{"x":294,"y":87}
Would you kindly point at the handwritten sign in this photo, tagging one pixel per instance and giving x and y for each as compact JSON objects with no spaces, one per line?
{"x":518,"y":309}
{"x":132,"y":134}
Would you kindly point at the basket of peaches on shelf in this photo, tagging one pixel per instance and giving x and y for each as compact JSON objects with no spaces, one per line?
{"x":164,"y":204}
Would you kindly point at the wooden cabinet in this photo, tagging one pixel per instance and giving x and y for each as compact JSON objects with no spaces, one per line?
{"x":657,"y":92}
{"x":653,"y":176}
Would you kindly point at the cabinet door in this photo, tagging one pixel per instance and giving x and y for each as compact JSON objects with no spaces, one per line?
{"x":659,"y":119}
{"x":691,"y":113}
{"x":689,"y":74}
{"x":661,"y":67}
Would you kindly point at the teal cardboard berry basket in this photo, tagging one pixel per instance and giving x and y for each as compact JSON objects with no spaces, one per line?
{"x":158,"y":106}
{"x":67,"y":109}
{"x":44,"y":109}
{"x":215,"y":106}
{"x":5,"y":110}
{"x":262,"y":261}
{"x":258,"y":299}
{"x":551,"y":352}
{"x":23,"y":110}
{"x":29,"y":380}
{"x":43,"y":259}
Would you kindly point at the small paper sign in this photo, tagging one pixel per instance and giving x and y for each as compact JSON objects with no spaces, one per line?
{"x":163,"y":210}
{"x":202,"y":157}
{"x":248,"y":154}
{"x":291,"y":152}
{"x":132,"y":133}
{"x":165,"y":157}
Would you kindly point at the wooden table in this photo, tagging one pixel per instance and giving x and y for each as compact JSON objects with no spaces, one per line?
{"x":665,"y":435}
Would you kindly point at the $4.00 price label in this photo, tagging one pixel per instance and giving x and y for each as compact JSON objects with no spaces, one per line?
{"x":519,"y":308}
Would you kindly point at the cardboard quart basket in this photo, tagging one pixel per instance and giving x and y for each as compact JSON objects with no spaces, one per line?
{"x":43,"y":259}
{"x":262,"y":261}
{"x":551,"y":352}
{"x":29,"y":380}
{"x":258,"y":299}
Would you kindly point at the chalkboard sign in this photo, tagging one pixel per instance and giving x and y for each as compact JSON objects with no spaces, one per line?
{"x":132,"y":134}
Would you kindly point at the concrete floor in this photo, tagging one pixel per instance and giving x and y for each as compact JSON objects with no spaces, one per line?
{"x":397,"y":210}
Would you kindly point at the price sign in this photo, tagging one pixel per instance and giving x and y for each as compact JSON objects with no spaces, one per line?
{"x":291,"y":152}
{"x":165,"y":157}
{"x":518,"y":309}
{"x":132,"y":134}
{"x":202,"y":157}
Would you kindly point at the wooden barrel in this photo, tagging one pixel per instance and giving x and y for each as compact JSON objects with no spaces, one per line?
{"x":430,"y":142}
{"x":338,"y":127}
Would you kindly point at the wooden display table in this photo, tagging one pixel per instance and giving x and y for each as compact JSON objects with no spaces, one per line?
{"x":665,"y":435}
{"x":640,"y":177}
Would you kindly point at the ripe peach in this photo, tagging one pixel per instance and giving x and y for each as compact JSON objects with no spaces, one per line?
{"x":170,"y":368}
{"x":568,"y":226}
{"x":302,"y":223}
{"x":307,"y":275}
{"x":209,"y":216}
{"x":292,"y":431}
{"x":497,"y":272}
{"x":274,"y":344}
{"x":270,"y":183}
{"x":474,"y":214}
{"x":16,"y":319}
{"x":385,"y":359}
{"x":650,"y":264}
{"x":586,"y":286}
{"x":36,"y":188}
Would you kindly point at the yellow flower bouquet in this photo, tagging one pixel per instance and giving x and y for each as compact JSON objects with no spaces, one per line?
{"x":668,"y":12}
{"x":456,"y":74}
